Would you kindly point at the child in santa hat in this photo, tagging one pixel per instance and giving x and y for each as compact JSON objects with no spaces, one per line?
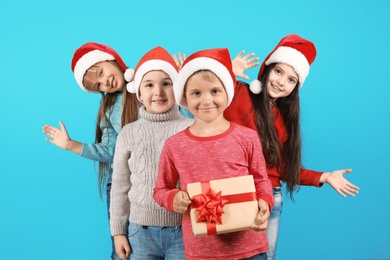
{"x":153,"y":232}
{"x":212,"y":148}
{"x":99,"y":69}
{"x":270,"y":105}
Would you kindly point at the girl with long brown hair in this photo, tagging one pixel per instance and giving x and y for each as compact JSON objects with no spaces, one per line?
{"x":99,"y":69}
{"x":270,"y":105}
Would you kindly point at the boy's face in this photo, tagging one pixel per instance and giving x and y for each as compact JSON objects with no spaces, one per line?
{"x":156,"y":92}
{"x":282,"y":80}
{"x":206,"y":98}
{"x":104,"y":76}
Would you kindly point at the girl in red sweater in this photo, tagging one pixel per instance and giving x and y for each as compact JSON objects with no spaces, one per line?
{"x":270,"y":105}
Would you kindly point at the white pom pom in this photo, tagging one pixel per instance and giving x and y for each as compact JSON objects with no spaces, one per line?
{"x":129,"y":75}
{"x":130,"y":87}
{"x":255,"y":86}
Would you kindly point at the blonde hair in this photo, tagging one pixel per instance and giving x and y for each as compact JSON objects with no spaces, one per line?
{"x":207,"y":75}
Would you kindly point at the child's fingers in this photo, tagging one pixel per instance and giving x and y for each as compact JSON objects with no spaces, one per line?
{"x":261,"y":223}
{"x":185,"y":196}
{"x":127,"y":251}
{"x":240,"y":54}
{"x":185,"y":200}
{"x":181,"y":202}
{"x":249,"y":55}
{"x":181,"y":59}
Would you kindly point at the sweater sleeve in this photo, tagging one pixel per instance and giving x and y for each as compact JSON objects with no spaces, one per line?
{"x":241,"y":109}
{"x":258,"y":170}
{"x":166,"y":184}
{"x":104,"y":151}
{"x":310,"y":178}
{"x":120,"y":204}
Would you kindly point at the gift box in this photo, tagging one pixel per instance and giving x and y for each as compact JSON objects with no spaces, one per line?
{"x":223,"y":206}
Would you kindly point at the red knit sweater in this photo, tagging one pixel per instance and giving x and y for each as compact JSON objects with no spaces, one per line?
{"x":241,"y":112}
{"x":187,"y":158}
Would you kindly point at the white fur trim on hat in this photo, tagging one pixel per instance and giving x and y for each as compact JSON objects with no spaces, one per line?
{"x":129,"y":74}
{"x":147,"y":66}
{"x":130,"y":87}
{"x":202,"y":63}
{"x":85,"y":62}
{"x":255,"y":86}
{"x":293,"y":58}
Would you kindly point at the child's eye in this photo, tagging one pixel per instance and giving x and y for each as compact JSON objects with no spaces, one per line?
{"x":101,"y":72}
{"x":149,"y":85}
{"x":278,"y":71}
{"x":195,"y":93}
{"x":215,"y":91}
{"x":292,"y":81}
{"x":167,"y":83}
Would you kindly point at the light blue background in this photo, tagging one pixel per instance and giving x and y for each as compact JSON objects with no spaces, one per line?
{"x":49,"y":202}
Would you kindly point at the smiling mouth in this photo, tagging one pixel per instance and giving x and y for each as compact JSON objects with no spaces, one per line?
{"x":113,"y":83}
{"x":206,"y":108}
{"x":276,"y":88}
{"x":159,"y":101}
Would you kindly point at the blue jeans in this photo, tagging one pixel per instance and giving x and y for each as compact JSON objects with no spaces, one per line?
{"x":114,"y":255}
{"x":273,"y":223}
{"x":155,"y":242}
{"x":262,"y":256}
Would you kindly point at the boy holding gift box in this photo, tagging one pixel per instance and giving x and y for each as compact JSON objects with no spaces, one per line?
{"x":213,"y":148}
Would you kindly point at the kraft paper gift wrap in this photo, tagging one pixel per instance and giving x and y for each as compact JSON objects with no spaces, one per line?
{"x":223,"y":206}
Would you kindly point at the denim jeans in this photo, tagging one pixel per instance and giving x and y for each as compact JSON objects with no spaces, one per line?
{"x":262,"y":256}
{"x":155,"y":242}
{"x":114,"y":255}
{"x":273,"y":223}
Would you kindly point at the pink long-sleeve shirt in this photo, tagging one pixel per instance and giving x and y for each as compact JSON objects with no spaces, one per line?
{"x":187,"y":158}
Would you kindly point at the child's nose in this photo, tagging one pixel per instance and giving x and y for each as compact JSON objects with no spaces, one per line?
{"x":107,"y":81}
{"x":207,"y":98}
{"x":281,"y":81}
{"x":159,"y":90}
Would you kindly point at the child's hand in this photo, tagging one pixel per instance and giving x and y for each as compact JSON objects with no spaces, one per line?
{"x":241,"y":64}
{"x":181,"y":202}
{"x":60,"y":137}
{"x":179,"y":61}
{"x":122,"y":246}
{"x":261,"y":219}
{"x":337,"y":181}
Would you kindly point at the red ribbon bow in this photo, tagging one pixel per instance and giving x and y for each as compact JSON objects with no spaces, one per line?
{"x":210,"y":206}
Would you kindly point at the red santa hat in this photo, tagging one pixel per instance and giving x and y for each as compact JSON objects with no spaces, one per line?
{"x":216,"y":60}
{"x":293,"y":50}
{"x":88,"y":55}
{"x":155,"y":59}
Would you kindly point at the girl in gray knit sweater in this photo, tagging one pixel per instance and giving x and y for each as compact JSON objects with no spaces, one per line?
{"x":153,"y":232}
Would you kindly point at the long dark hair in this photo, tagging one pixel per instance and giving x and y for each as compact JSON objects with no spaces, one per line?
{"x":285,"y":157}
{"x":130,"y":106}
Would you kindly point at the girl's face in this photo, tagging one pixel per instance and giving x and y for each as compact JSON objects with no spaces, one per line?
{"x":206,"y":98}
{"x":156,"y":92}
{"x":104,"y":76}
{"x":282,"y":80}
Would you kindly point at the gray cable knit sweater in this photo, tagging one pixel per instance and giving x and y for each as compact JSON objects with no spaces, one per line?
{"x":137,"y":153}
